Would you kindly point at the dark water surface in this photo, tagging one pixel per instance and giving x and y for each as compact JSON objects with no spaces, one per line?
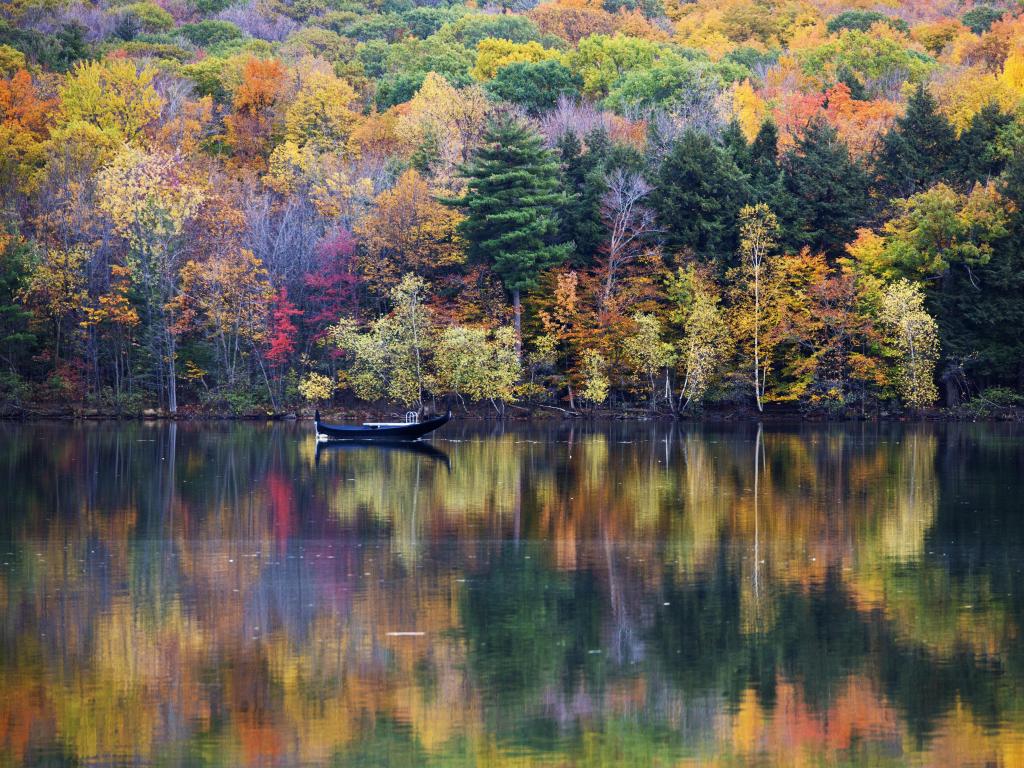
{"x":564,"y":595}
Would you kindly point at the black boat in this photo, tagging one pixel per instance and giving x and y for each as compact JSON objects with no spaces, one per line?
{"x":408,"y":430}
{"x":415,"y":447}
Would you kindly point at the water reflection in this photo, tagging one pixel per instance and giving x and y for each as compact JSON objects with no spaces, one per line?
{"x":418,"y":447}
{"x":569,"y":595}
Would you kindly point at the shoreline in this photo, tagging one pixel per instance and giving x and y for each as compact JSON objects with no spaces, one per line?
{"x":1001,"y":414}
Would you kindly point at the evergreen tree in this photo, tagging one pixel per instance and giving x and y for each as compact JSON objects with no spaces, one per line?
{"x":18,"y":342}
{"x":978,"y":156}
{"x":583,"y":177}
{"x":828,"y":189}
{"x":698,"y":195}
{"x":766,"y":177}
{"x":511,"y":200}
{"x":917,"y":151}
{"x":857,"y":90}
{"x":981,"y":313}
{"x":735,"y":144}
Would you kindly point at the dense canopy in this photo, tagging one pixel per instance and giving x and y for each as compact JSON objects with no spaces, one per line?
{"x":210,"y":204}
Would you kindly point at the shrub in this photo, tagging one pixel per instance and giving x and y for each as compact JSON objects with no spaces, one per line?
{"x":862,"y":21}
{"x":150,"y":17}
{"x":210,"y":32}
{"x":979,"y":19}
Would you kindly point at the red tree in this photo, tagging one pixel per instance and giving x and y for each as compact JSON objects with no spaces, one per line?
{"x":282,"y":330}
{"x":333,"y":283}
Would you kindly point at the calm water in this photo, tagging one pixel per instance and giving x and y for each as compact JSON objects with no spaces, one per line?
{"x":572,"y":595}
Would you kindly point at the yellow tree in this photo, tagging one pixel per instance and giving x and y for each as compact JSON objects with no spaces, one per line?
{"x":409,"y":231}
{"x":705,"y":343}
{"x":493,"y":54}
{"x":444,"y":124}
{"x":749,"y":108}
{"x":477,"y":363}
{"x":645,"y":354}
{"x":333,"y":185}
{"x":113,"y":315}
{"x":56,"y":288}
{"x":758,"y":232}
{"x":226,"y":300}
{"x":149,"y":197}
{"x":390,"y":358}
{"x":321,"y":113}
{"x":114,"y":96}
{"x":914,"y":334}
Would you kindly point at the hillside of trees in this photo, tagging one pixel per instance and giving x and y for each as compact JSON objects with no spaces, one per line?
{"x":210,"y":206}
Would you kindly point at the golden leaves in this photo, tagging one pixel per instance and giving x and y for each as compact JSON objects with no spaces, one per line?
{"x":113,"y":95}
{"x":409,"y":230}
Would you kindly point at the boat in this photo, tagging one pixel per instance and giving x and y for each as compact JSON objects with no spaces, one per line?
{"x":415,"y":447}
{"x":410,"y":429}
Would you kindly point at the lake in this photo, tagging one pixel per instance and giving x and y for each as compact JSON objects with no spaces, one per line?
{"x":563,"y":594}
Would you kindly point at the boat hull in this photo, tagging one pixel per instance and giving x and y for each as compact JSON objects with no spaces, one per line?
{"x":380,"y":432}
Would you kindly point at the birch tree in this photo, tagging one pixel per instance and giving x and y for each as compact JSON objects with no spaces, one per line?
{"x":914,"y":333}
{"x":759,"y":229}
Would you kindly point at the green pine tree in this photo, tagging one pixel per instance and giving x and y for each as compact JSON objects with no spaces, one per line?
{"x":981,"y":312}
{"x":583,"y":177}
{"x":979,"y":153}
{"x":828,"y":189}
{"x":511,"y":203}
{"x":698,"y":196}
{"x":917,"y":151}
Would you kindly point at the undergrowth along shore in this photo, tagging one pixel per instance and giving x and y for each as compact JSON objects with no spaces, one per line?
{"x":975,"y":410}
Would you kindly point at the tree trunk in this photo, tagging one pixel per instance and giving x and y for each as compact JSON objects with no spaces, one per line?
{"x":757,"y":339}
{"x":172,"y":386}
{"x":517,"y":308}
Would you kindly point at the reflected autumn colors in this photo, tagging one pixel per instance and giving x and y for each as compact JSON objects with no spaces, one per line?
{"x":573,"y":594}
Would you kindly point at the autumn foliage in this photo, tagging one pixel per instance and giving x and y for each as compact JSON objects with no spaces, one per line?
{"x":195,"y":200}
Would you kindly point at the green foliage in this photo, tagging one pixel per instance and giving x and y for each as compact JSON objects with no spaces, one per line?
{"x":668,"y":84}
{"x":424,"y":22}
{"x":17,"y":338}
{"x":447,"y":58}
{"x":380,"y":26}
{"x":398,"y":89}
{"x":1002,"y":396}
{"x":751,"y":58}
{"x":209,"y":76}
{"x":474,"y":27}
{"x":210,"y":32}
{"x":11,"y":60}
{"x":210,"y":7}
{"x":869,"y":56}
{"x":918,"y":150}
{"x":828,"y":190}
{"x":58,"y":51}
{"x":981,"y":17}
{"x":981,"y":311}
{"x":149,"y":16}
{"x":602,"y":61}
{"x":583,"y":178}
{"x":536,"y":86}
{"x":863,"y":21}
{"x":512,"y":193}
{"x":982,"y":152}
{"x":698,"y":194}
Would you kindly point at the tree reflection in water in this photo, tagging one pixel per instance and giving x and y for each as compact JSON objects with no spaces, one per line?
{"x":565,"y":595}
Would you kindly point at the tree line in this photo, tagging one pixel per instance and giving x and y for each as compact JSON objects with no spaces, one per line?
{"x":256,"y":208}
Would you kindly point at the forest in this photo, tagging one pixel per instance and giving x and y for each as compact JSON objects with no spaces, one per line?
{"x":258,"y":206}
